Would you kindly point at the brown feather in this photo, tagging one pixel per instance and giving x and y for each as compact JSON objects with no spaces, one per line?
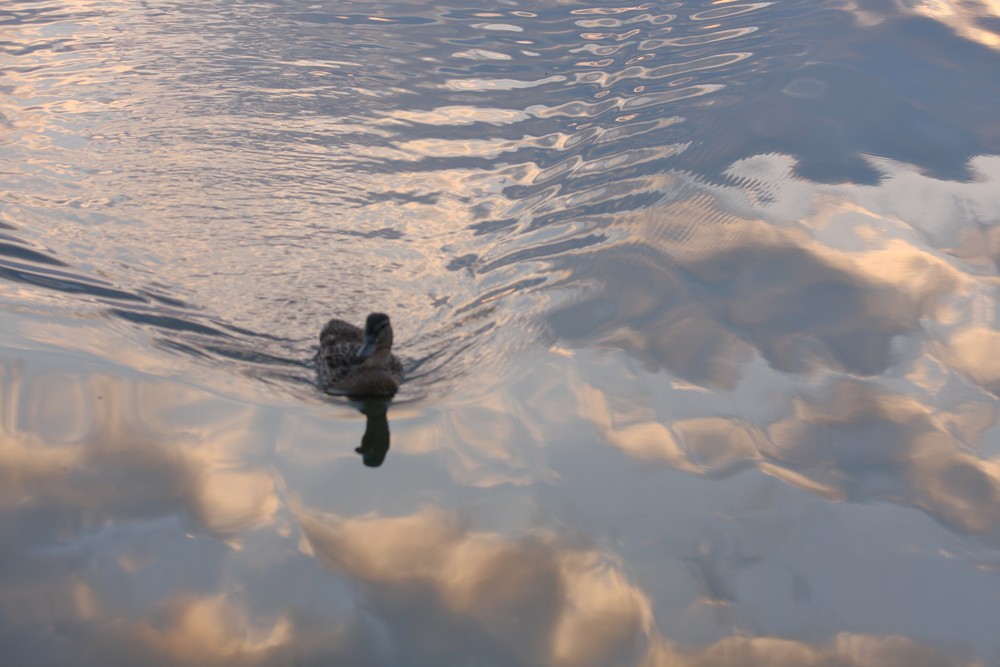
{"x":342,"y":372}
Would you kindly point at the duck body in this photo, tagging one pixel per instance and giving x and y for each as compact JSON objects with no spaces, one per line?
{"x":358,"y":362}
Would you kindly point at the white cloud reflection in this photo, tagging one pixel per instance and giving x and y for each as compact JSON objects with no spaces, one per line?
{"x":106,"y":469}
{"x":436,"y":586}
{"x":834,"y":340}
{"x":83,"y":449}
{"x":965,"y":17}
{"x":530,"y":600}
{"x":840,"y":337}
{"x":849,"y":650}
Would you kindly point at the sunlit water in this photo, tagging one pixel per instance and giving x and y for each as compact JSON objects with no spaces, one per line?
{"x":697,"y":302}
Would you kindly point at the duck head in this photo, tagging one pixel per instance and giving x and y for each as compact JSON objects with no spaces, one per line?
{"x":378,"y":338}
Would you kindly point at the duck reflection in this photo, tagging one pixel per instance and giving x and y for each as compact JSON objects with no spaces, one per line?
{"x":375,"y":441}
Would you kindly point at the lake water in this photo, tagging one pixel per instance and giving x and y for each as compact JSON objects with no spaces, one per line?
{"x":697,"y":301}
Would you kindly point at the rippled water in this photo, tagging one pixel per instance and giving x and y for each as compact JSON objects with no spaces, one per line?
{"x":697,"y":302}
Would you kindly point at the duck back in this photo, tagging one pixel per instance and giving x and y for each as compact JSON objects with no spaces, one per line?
{"x":342,"y":372}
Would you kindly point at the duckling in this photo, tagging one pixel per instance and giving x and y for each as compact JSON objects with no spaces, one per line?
{"x":358,"y":363}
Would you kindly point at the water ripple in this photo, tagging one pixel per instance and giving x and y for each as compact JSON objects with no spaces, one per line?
{"x":502,"y":163}
{"x":526,"y":150}
{"x":733,"y":264}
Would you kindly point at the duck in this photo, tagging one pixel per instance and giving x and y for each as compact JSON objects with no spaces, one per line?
{"x":356,"y":363}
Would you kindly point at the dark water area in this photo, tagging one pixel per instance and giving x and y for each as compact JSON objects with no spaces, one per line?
{"x":697,"y":303}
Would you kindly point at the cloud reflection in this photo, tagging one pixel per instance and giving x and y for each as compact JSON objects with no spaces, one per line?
{"x":974,"y":20}
{"x":444,"y":592}
{"x":530,"y":600}
{"x":694,"y":296}
{"x":105,"y":473}
{"x":829,"y":285}
{"x":850,"y":440}
{"x":82,"y":450}
{"x":869,"y":444}
{"x":631,"y":200}
{"x":189,"y":630}
{"x":973,"y":351}
{"x":849,"y":650}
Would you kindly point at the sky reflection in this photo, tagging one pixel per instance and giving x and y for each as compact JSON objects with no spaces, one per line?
{"x":158,"y":523}
{"x":697,"y":303}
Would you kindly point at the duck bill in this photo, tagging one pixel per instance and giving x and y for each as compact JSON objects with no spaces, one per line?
{"x":367,"y":350}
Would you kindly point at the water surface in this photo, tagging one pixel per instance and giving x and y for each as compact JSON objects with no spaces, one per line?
{"x":697,"y":302}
